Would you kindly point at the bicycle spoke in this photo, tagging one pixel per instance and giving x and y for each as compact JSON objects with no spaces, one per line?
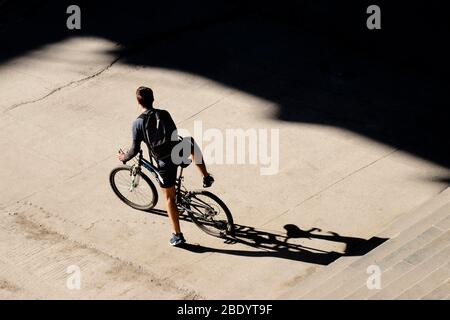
{"x":124,"y":179}
{"x":141,"y":195}
{"x":208,"y":213}
{"x":196,"y":198}
{"x":206,"y":209}
{"x":138,"y":194}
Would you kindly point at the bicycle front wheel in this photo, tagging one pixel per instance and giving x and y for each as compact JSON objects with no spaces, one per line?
{"x":141,"y":196}
{"x":210,"y":213}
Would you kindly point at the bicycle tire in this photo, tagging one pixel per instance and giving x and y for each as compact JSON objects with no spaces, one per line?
{"x":145,"y":207}
{"x":223,"y":231}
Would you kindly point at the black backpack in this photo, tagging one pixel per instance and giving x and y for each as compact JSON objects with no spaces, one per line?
{"x":158,"y":129}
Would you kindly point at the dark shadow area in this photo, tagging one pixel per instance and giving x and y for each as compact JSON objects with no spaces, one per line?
{"x":279,"y":246}
{"x":444,"y":180}
{"x":315,"y":59}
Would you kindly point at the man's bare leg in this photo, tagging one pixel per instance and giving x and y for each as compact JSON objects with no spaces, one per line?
{"x":197,"y":158}
{"x":172,"y":210}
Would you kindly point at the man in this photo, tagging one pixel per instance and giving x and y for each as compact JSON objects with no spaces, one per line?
{"x":155,"y":127}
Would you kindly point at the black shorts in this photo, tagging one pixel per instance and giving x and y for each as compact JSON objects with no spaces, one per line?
{"x":168,"y":169}
{"x":167,"y":172}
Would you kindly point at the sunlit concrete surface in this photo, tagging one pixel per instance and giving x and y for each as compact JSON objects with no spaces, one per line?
{"x":67,"y":108}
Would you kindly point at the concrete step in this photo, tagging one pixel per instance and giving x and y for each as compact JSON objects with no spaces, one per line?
{"x":393,"y":265}
{"x":320,"y":276}
{"x":444,"y":224}
{"x":427,"y":285}
{"x":398,"y":245}
{"x":390,"y":274}
{"x":441,"y":292}
{"x":385,"y":256}
{"x":423,"y":213}
{"x":414,"y":276}
{"x":414,"y":225}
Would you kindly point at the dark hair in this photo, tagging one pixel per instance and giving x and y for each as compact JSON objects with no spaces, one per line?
{"x":145,"y":97}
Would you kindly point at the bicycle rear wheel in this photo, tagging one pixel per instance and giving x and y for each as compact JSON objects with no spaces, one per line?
{"x":210,"y":213}
{"x":142,"y":196}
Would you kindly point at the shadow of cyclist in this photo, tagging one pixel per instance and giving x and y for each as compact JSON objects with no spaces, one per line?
{"x":278,"y":245}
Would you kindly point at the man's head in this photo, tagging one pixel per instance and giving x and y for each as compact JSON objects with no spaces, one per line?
{"x":145,"y":98}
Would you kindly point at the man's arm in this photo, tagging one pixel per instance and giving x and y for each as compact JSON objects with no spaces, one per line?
{"x":136,"y":132}
{"x":171,"y":124}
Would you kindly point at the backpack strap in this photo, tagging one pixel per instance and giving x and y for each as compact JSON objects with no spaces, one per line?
{"x":145,"y":116}
{"x":158,"y":119}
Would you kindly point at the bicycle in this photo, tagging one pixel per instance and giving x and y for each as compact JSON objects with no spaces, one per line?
{"x":204,"y":208}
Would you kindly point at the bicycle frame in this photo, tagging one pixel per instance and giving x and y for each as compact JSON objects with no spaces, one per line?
{"x":154,"y":170}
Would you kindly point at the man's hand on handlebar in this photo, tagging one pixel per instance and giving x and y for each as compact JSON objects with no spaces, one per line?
{"x":121,"y":155}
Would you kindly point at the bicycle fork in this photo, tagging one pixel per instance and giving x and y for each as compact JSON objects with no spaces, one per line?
{"x":135,"y":177}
